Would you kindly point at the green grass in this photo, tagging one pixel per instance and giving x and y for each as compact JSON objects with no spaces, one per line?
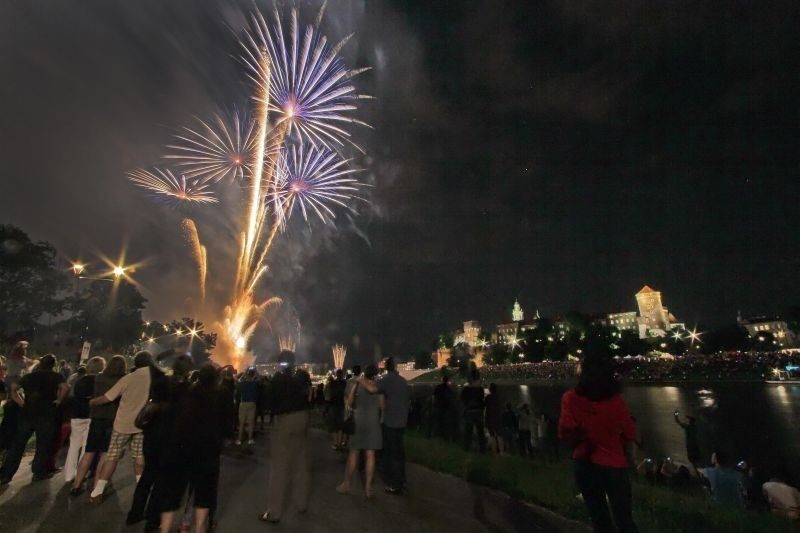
{"x":551,"y":486}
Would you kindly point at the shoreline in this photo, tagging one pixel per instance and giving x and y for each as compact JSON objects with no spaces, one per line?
{"x":426,"y":380}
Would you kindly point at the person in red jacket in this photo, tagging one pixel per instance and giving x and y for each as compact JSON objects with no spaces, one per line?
{"x":595,"y":421}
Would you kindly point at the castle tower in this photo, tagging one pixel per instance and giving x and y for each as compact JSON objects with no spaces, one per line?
{"x":651,"y":309}
{"x":517,"y":315}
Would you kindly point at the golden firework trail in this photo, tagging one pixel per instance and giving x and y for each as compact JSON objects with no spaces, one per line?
{"x":198,"y":251}
{"x":339,"y":353}
{"x":286,"y":344}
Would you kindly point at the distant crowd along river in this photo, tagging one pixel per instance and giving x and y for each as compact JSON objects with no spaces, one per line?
{"x":755,"y":422}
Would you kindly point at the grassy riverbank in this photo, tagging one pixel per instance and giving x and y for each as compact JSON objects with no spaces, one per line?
{"x":551,"y":486}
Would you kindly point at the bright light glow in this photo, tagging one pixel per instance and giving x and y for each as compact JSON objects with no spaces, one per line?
{"x":119,"y":271}
{"x":241,"y":342}
{"x":78,"y":268}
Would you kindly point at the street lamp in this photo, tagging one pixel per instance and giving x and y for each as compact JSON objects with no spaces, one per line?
{"x":78,"y":268}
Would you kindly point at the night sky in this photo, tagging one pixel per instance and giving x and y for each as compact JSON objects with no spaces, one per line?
{"x":565,"y":153}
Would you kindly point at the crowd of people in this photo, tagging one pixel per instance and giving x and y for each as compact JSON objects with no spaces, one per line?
{"x":174,"y":423}
{"x":720,"y":366}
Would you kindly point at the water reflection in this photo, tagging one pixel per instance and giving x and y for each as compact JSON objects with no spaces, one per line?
{"x":759,"y":423}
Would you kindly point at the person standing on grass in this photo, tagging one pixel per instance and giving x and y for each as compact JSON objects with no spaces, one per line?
{"x":44,"y":389}
{"x":443,"y":411}
{"x":595,"y":420}
{"x":290,"y":393}
{"x":82,"y":392}
{"x":524,"y":421}
{"x":133,"y":392}
{"x":472,"y":400}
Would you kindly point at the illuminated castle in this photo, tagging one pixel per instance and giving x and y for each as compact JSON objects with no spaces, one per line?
{"x":654,"y":320}
{"x":652,"y":314}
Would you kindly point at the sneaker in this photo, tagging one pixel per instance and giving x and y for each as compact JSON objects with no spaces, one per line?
{"x":251,"y":442}
{"x":393,"y":490}
{"x":76,"y":491}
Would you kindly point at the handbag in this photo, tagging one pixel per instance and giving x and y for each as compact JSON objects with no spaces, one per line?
{"x":145,"y":417}
{"x":149,"y":411}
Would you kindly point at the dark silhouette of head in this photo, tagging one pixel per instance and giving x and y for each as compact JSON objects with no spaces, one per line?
{"x":492,"y":388}
{"x":370,"y":372}
{"x":721,"y":458}
{"x":390,"y":365}
{"x":207,"y":376}
{"x":339,"y":373}
{"x":445,"y":379}
{"x":356,"y":370}
{"x":142,"y":359}
{"x":596,"y":380}
{"x":182,"y":366}
{"x":47,"y":362}
{"x":117,"y":367}
{"x":286,"y":359}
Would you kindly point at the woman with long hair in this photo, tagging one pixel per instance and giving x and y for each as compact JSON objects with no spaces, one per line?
{"x":190,"y":456}
{"x":101,"y":421}
{"x":595,"y":421}
{"x":367,"y":409}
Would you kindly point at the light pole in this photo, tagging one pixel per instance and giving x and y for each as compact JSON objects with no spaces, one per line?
{"x":77,"y":270}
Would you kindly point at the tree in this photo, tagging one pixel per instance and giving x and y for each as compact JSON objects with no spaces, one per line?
{"x":423,"y":360}
{"x":498,"y":354}
{"x":111,"y":313}
{"x":30,"y":283}
{"x":728,"y":337}
{"x":630,"y":344}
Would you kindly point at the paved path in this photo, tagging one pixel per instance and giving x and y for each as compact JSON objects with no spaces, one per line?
{"x":435,"y":502}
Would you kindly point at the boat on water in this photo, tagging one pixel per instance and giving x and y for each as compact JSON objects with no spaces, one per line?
{"x":788,"y":376}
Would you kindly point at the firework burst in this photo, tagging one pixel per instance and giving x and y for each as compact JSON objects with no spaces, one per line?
{"x":312,"y":180}
{"x":215,"y":151}
{"x":310,"y":85}
{"x":164,"y":186}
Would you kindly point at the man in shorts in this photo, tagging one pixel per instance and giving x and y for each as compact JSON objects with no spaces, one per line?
{"x":133,"y":392}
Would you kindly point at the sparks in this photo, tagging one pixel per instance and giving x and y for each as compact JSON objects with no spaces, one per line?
{"x":313,"y":180}
{"x":221,"y":149}
{"x":165,"y":186}
{"x":310,"y":85}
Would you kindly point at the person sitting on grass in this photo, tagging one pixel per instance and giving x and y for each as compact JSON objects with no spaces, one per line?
{"x":724,"y":480}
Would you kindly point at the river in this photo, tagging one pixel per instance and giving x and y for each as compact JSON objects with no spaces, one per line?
{"x":755,"y":422}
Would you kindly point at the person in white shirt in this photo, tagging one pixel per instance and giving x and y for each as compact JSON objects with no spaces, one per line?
{"x":784,"y":500}
{"x":133,"y":391}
